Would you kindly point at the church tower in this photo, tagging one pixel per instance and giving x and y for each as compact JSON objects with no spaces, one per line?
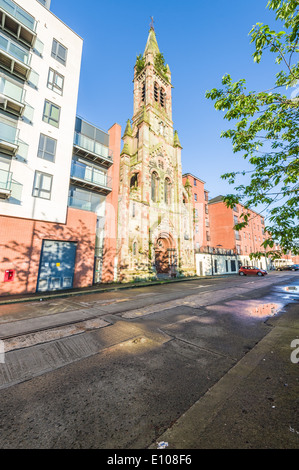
{"x":155,"y":218}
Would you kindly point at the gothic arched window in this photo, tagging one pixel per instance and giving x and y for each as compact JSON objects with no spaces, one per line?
{"x":154,"y":186}
{"x":134,"y":181}
{"x":162,"y":97}
{"x":156,"y":92}
{"x":167,"y":191}
{"x":143,"y":92}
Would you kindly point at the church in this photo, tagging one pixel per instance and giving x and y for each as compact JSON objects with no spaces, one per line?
{"x":155,"y":213}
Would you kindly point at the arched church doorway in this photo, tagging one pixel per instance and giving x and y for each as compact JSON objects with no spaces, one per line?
{"x":165,"y":255}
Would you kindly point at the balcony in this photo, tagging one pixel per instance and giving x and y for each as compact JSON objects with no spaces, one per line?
{"x":5,"y":184}
{"x":17,"y":22}
{"x":11,"y":97}
{"x":90,"y":178}
{"x":86,"y":147}
{"x":14,"y":58}
{"x":9,"y":142}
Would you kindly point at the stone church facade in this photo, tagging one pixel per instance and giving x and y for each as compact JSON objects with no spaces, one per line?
{"x":155,"y":214}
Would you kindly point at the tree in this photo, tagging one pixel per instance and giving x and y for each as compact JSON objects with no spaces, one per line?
{"x":267,"y":132}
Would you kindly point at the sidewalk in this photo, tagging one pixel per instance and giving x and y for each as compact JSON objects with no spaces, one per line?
{"x":256,"y":403}
{"x":94,"y":289}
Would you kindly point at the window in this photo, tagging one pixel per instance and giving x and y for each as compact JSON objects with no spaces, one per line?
{"x":236,"y":219}
{"x":194,"y":182}
{"x":59,"y":52}
{"x":46,"y":148}
{"x":155,"y":186}
{"x":195,"y":197}
{"x":162,"y":97}
{"x":55,"y":81}
{"x":232,"y":265}
{"x":196,"y":212}
{"x":167,"y":191}
{"x":143,"y":92}
{"x":156,"y":92}
{"x":235,"y":209}
{"x":134,"y":248}
{"x":133,"y":210}
{"x":215,"y":266}
{"x":226,"y":265}
{"x":42,"y":185}
{"x":206,"y":209}
{"x":238,"y":249}
{"x":85,"y":200}
{"x":134,"y":181}
{"x":206,"y":196}
{"x":51,"y":114}
{"x":196,"y":228}
{"x":208,"y":236}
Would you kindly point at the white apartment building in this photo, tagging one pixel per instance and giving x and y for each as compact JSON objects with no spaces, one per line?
{"x":40,"y":59}
{"x":53,"y":165}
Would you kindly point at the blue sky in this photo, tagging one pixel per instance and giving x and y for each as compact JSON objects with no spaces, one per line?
{"x":201,"y":41}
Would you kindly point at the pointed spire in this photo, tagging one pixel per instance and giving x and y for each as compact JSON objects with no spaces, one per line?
{"x":151,"y":45}
{"x":128,"y":130}
{"x":125,"y":150}
{"x":176,"y":140}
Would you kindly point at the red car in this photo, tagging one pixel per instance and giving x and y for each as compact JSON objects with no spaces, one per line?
{"x":248,"y":270}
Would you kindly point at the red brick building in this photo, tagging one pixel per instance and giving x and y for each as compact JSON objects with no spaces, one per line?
{"x":199,"y":199}
{"x":243,"y":242}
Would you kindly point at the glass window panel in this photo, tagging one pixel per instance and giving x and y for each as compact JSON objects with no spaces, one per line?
{"x":50,"y":145}
{"x":59,"y":52}
{"x":54,"y":112}
{"x":51,"y":114}
{"x":54,"y":47}
{"x":46,"y":182}
{"x":42,"y":185}
{"x":59,"y":80}
{"x":51,"y":76}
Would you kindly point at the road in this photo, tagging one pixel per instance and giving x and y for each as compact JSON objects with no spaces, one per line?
{"x":116,"y":370}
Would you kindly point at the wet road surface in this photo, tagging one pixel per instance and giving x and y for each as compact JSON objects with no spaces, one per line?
{"x":129,"y":363}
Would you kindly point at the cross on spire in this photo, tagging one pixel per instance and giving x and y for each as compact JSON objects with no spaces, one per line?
{"x":152,"y":23}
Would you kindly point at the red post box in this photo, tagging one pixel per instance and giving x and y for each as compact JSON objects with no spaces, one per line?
{"x":9,"y":275}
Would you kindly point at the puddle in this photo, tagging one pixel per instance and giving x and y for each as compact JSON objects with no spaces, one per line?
{"x":289,"y":293}
{"x":292,"y":289}
{"x":263,"y":310}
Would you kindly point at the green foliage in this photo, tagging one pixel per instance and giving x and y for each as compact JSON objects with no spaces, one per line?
{"x":267,"y":131}
{"x":160,"y":65}
{"x":140,"y":63}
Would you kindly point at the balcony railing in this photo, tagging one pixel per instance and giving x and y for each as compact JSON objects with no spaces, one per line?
{"x":11,"y":97}
{"x":14,"y":58}
{"x":8,"y":139}
{"x":17,"y":21}
{"x":5,"y":184}
{"x":90,"y":177}
{"x":92,"y":150}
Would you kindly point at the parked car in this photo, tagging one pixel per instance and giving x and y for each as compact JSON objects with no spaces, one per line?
{"x":293,"y":267}
{"x":251,"y":270}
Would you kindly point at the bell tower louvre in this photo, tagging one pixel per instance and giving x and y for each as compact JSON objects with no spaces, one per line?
{"x":155,"y":215}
